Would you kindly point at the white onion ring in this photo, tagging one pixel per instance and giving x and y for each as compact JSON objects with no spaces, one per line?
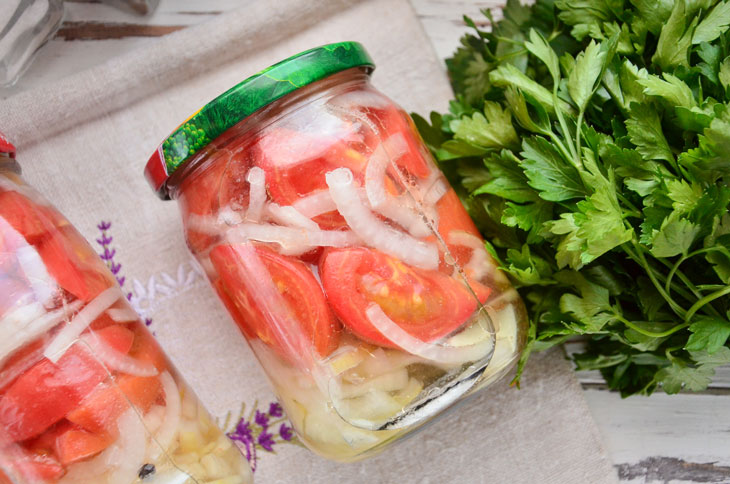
{"x":78,"y":324}
{"x":256,"y":194}
{"x":428,"y":351}
{"x":173,"y":412}
{"x":373,"y":231}
{"x":44,"y":286}
{"x":478,"y":265}
{"x":15,"y":333}
{"x":375,"y":171}
{"x":290,"y":217}
{"x":293,"y":241}
{"x":116,"y":360}
{"x":122,"y":315}
{"x":316,"y":203}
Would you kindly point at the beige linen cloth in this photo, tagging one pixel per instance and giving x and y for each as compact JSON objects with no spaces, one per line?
{"x":83,"y":143}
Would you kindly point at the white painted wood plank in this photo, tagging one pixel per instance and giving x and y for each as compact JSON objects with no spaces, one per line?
{"x":692,"y":428}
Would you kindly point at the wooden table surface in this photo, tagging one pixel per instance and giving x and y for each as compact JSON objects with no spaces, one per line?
{"x":661,"y":439}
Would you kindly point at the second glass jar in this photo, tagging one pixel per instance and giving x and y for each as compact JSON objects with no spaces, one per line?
{"x":340,"y":250}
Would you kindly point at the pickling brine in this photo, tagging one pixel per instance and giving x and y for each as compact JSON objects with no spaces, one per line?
{"x":340,"y":250}
{"x":86,"y":393}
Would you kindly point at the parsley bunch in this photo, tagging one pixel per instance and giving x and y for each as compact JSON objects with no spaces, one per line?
{"x":591,"y":142}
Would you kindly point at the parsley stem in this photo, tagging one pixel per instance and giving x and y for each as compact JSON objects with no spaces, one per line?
{"x":651,"y":334}
{"x":674,"y":269}
{"x":705,"y":300}
{"x":641,"y":260}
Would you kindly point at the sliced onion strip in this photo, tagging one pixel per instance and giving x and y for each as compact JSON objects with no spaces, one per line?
{"x":78,"y":324}
{"x":432,"y":352}
{"x":28,"y":323}
{"x":373,"y":231}
{"x":122,"y":315}
{"x":293,"y":241}
{"x":290,"y":217}
{"x":116,"y":360}
{"x":257,"y":193}
{"x":317,"y":203}
{"x":478,"y":265}
{"x":44,"y":286}
{"x":173,"y":412}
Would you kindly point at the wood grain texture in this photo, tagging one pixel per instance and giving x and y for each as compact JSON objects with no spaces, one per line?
{"x":682,"y":438}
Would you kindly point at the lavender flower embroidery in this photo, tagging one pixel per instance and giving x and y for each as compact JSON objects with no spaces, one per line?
{"x":258,"y":431}
{"x":108,"y":257}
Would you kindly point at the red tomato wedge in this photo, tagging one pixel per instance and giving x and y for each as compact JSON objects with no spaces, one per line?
{"x":294,"y":281}
{"x":29,"y":466}
{"x":414,"y":160}
{"x":75,"y":444}
{"x":74,"y":265}
{"x":296,"y":163}
{"x":25,"y":216}
{"x":45,"y":393}
{"x":98,"y":413}
{"x":426,"y":304}
{"x":453,"y":216}
{"x":198,"y":194}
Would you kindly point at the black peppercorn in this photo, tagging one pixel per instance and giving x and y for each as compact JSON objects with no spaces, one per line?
{"x":146,"y":471}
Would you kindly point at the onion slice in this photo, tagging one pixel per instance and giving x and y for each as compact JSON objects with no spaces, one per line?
{"x":44,"y":286}
{"x":478,"y":265}
{"x":293,"y":241}
{"x":122,"y":315}
{"x":27,"y":323}
{"x":428,"y":351}
{"x":173,"y":412}
{"x":78,"y":324}
{"x":373,"y":231}
{"x":375,"y":171}
{"x":317,"y":203}
{"x":257,"y":193}
{"x":290,"y":217}
{"x":116,"y":360}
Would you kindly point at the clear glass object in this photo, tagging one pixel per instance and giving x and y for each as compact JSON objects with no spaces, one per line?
{"x":25,"y":26}
{"x":86,"y":393}
{"x":343,"y":255}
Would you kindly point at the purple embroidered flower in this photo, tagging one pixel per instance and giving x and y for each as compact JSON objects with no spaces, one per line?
{"x":275,"y":409}
{"x":266,"y":440}
{"x":244,"y":439}
{"x":108,"y":255}
{"x":261,"y":419}
{"x":285,"y":431}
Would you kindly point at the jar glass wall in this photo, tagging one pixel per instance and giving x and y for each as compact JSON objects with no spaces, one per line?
{"x":86,"y":393}
{"x":349,"y":264}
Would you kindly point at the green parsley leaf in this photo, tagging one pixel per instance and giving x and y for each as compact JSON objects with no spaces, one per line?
{"x":547,"y":171}
{"x":675,"y":237}
{"x":676,"y":378}
{"x":645,"y":131}
{"x":708,"y":334}
{"x":714,"y":24}
{"x":493,"y":129}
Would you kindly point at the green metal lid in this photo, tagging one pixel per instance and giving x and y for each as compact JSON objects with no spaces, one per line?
{"x":246,"y":98}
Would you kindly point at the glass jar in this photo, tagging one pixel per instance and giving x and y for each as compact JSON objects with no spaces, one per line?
{"x":86,"y":393}
{"x":340,"y":250}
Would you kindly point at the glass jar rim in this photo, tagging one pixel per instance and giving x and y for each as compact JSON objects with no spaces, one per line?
{"x":244,"y":99}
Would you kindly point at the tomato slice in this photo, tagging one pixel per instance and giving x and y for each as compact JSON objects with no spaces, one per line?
{"x":30,"y":466}
{"x":198,"y":195}
{"x":74,"y":264}
{"x":75,"y":444}
{"x":24,"y":216}
{"x":45,"y":393}
{"x":452,"y":216}
{"x":98,"y":413}
{"x":415,"y":160}
{"x":294,"y":281}
{"x":295,"y":164}
{"x":426,"y":304}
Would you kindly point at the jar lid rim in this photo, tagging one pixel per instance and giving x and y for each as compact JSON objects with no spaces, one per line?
{"x":6,"y":147}
{"x":244,"y":99}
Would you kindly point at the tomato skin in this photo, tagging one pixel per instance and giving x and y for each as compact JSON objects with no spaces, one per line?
{"x":98,"y":413}
{"x":453,"y":216}
{"x":24,"y":216}
{"x":296,"y":284}
{"x":74,"y":265}
{"x":45,"y":393}
{"x":426,"y":304}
